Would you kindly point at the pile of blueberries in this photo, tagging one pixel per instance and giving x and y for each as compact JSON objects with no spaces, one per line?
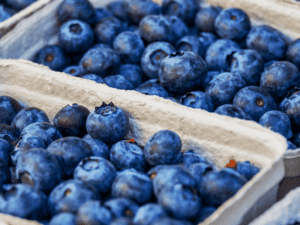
{"x":80,"y":170}
{"x":10,"y":7}
{"x":207,"y":58}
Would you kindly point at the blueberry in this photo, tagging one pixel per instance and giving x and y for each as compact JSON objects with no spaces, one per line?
{"x":93,"y":77}
{"x":232,"y":111}
{"x":210,"y":76}
{"x":153,"y":56}
{"x":219,"y":54}
{"x":4,"y":13}
{"x":205,"y":213}
{"x":6,"y":130}
{"x":98,"y":147}
{"x":254,"y":101}
{"x":122,"y":207}
{"x":178,"y":28}
{"x":101,"y":61}
{"x":184,"y":9}
{"x":138,"y":9}
{"x":232,"y":23}
{"x":6,"y":149}
{"x":279,"y":78}
{"x":96,"y":171}
{"x":23,"y":201}
{"x":125,"y":155}
{"x":199,"y":170}
{"x":180,"y":201}
{"x":93,"y":213}
{"x":102,"y":13}
{"x":189,"y":158}
{"x":73,"y":70}
{"x":182,"y":72}
{"x":39,"y":169}
{"x":206,"y":39}
{"x":292,"y":53}
{"x":191,"y":43}
{"x":107,"y":29}
{"x":5,"y":174}
{"x":108,"y":123}
{"x":18,"y":5}
{"x":122,"y":221}
{"x":133,"y":73}
{"x":118,"y":9}
{"x":247,"y":170}
{"x":148,"y":214}
{"x":268,"y":64}
{"x":9,"y":107}
{"x":248,"y":64}
{"x":168,"y":176}
{"x":76,"y":9}
{"x":119,"y":82}
{"x":163,"y":147}
{"x":290,"y":106}
{"x":129,"y":46}
{"x":52,"y":56}
{"x":133,"y":185}
{"x":278,"y":122}
{"x":63,"y":218}
{"x":70,"y":120}
{"x":69,"y":195}
{"x":152,"y":88}
{"x":225,"y":182}
{"x":45,"y":131}
{"x":198,"y":99}
{"x":267,"y":41}
{"x":205,"y":18}
{"x":291,"y":146}
{"x":154,"y":28}
{"x":70,"y":151}
{"x":75,"y":36}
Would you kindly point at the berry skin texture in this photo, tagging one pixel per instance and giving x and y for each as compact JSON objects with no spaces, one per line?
{"x":6,"y":149}
{"x":290,"y":106}
{"x":73,"y":70}
{"x":205,"y":213}
{"x":206,"y":39}
{"x":179,"y":28}
{"x":152,"y":88}
{"x":9,"y":107}
{"x":119,"y":82}
{"x":122,"y":207}
{"x":191,"y":43}
{"x":75,"y":36}
{"x":134,"y":185}
{"x":182,"y":72}
{"x":232,"y":23}
{"x":122,"y":221}
{"x":118,"y":9}
{"x":108,"y":123}
{"x":198,"y":99}
{"x":247,"y":170}
{"x":28,"y":116}
{"x":93,"y":77}
{"x":162,"y":148}
{"x":279,"y":78}
{"x":129,"y":46}
{"x":70,"y":120}
{"x":205,"y":18}
{"x":132,"y":73}
{"x":223,"y":88}
{"x":64,"y":218}
{"x":292,"y":53}
{"x":148,"y":214}
{"x":126,"y":155}
{"x":219,"y":54}
{"x":232,"y":111}
{"x":5,"y":174}
{"x":254,"y":101}
{"x":267,"y":41}
{"x":7,"y":131}
{"x":98,"y":147}
{"x":39,"y":169}
{"x":153,"y":56}
{"x":96,"y":171}
{"x":52,"y":56}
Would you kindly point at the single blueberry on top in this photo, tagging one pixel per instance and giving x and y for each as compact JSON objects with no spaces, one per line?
{"x":98,"y":147}
{"x":69,"y":195}
{"x":149,"y":213}
{"x":122,"y":207}
{"x":28,"y":116}
{"x":73,"y":71}
{"x":52,"y":56}
{"x":70,"y":120}
{"x":247,"y":170}
{"x":108,"y":123}
{"x":205,"y":18}
{"x":232,"y":23}
{"x":206,"y":39}
{"x":93,"y":77}
{"x":69,"y":152}
{"x":96,"y":171}
{"x":163,"y":147}
{"x":75,"y":36}
{"x":267,"y":41}
{"x":9,"y":107}
{"x":249,"y":65}
{"x":153,"y":56}
{"x":63,"y":218}
{"x":126,"y":155}
{"x":132,"y":72}
{"x":223,"y":88}
{"x":198,"y":99}
{"x":278,"y":122}
{"x":119,"y":82}
{"x":39,"y":169}
{"x":152,"y":88}
{"x":191,"y":43}
{"x":219,"y":54}
{"x":279,"y":78}
{"x":232,"y":111}
{"x":254,"y":101}
{"x":182,"y":72}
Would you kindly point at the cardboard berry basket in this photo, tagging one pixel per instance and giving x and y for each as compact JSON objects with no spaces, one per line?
{"x":9,"y":24}
{"x":219,"y":138}
{"x":283,"y":212}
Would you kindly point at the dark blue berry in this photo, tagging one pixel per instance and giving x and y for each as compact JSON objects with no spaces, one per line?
{"x":247,"y":170}
{"x":232,"y":111}
{"x":189,"y":158}
{"x":210,"y":76}
{"x":63,"y":218}
{"x":118,"y":81}
{"x":191,"y":43}
{"x":18,"y":5}
{"x":198,"y":99}
{"x":118,"y":9}
{"x":133,"y":73}
{"x":6,"y":149}
{"x":206,"y":39}
{"x":205,"y":18}
{"x":5,"y":174}
{"x":205,"y":213}
{"x":152,"y":88}
{"x":291,"y":146}
{"x":122,"y":207}
{"x":93,"y":77}
{"x":9,"y":107}
{"x":98,"y":147}
{"x":179,"y":28}
{"x":149,"y":213}
{"x":73,"y":70}
{"x":122,"y":221}
{"x":6,"y":130}
{"x":4,"y":13}
{"x":292,"y":53}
